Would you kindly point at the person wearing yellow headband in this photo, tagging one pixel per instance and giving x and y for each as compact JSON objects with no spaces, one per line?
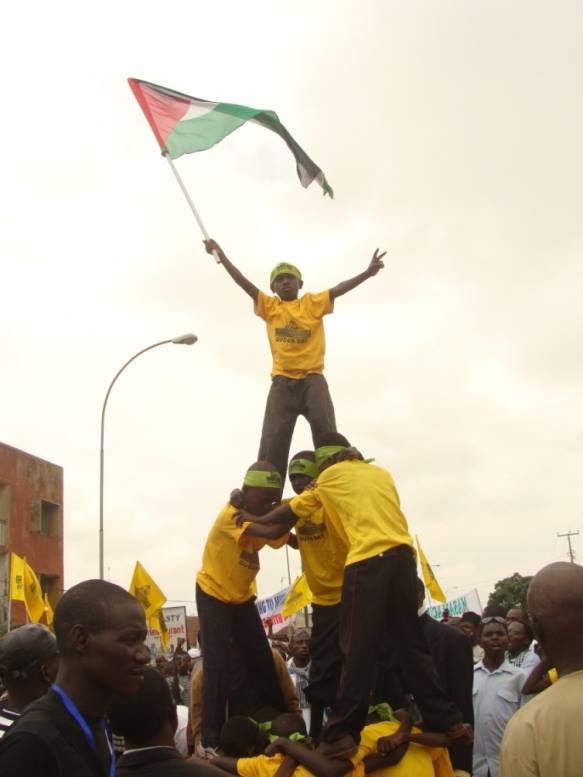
{"x":225,"y":599}
{"x":379,"y":594}
{"x":296,"y":338}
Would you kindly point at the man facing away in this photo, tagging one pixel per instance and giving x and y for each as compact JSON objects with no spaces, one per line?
{"x":545,"y":738}
{"x":296,"y":337}
{"x":100,"y":630}
{"x":28,"y":667}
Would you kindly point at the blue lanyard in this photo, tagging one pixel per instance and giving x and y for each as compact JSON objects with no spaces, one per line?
{"x":73,"y":710}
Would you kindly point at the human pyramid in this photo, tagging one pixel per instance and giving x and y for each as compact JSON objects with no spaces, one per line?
{"x":356,"y":550}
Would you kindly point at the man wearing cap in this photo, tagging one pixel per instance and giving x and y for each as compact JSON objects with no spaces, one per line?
{"x":296,"y":338}
{"x":379,"y":590}
{"x":225,"y":600}
{"x":28,"y":667}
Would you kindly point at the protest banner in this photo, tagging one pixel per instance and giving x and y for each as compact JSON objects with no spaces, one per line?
{"x":270,"y":608}
{"x":175,"y":619}
{"x":456,"y":607}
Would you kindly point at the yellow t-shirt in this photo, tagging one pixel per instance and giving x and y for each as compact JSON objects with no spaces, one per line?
{"x":323,"y":554}
{"x":230,"y":561}
{"x":418,"y":761}
{"x":266,"y":766}
{"x":362,"y":506}
{"x":296,"y":332}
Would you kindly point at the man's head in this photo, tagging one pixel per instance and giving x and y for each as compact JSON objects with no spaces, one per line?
{"x":555,"y":603}
{"x":332,"y":448}
{"x":146,"y":717}
{"x":516,"y":615}
{"x":286,"y":281}
{"x":100,"y":630}
{"x":288,"y":723}
{"x":299,"y":647}
{"x":241,"y":737}
{"x":28,"y":663}
{"x":520,"y":636}
{"x":494,"y":637}
{"x":470,"y":625}
{"x":302,"y":470}
{"x":262,"y":488}
{"x":161,"y":663}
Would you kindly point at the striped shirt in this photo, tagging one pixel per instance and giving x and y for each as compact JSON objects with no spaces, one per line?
{"x":7,"y":718}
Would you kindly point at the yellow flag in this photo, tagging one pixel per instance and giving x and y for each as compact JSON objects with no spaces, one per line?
{"x":146,"y":591}
{"x":16,"y":578}
{"x":48,"y":610}
{"x":156,"y":622}
{"x":298,"y":596}
{"x":33,"y":595}
{"x":429,"y":578}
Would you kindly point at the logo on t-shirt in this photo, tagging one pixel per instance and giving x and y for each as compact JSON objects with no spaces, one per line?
{"x":309,"y":531}
{"x":292,"y":333}
{"x":249,"y":559}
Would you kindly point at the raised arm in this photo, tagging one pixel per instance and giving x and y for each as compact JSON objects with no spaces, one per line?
{"x":252,"y":290}
{"x":272,"y":531}
{"x":376,"y":264}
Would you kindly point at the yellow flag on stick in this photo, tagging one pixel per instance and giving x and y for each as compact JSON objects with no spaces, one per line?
{"x":429,"y":578}
{"x":33,"y":595}
{"x":16,"y":578}
{"x":156,"y":622}
{"x":146,"y":591}
{"x":298,"y":596}
{"x":48,"y":610}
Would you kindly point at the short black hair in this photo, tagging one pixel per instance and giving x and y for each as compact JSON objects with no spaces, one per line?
{"x":494,"y":610}
{"x":88,"y":604}
{"x":288,"y":723}
{"x":241,"y":737}
{"x":332,"y":438}
{"x":471,"y":617}
{"x":309,"y":455}
{"x":139,"y":717}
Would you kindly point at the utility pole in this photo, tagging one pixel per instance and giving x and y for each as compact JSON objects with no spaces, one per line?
{"x":568,"y":535}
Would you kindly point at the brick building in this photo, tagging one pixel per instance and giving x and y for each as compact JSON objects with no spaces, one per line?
{"x":31,"y":524}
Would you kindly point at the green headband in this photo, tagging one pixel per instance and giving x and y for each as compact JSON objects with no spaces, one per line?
{"x":258,"y":478}
{"x":323,"y":454}
{"x":284,"y":267}
{"x":383,"y":710}
{"x":303,"y":467}
{"x":295,"y":737}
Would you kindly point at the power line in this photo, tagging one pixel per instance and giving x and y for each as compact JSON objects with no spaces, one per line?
{"x":568,"y":535}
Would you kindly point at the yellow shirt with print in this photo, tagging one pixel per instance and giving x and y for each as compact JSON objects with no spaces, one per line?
{"x":267,"y":766}
{"x":230,"y":561}
{"x":323,"y":554}
{"x":362,"y":505}
{"x":296,"y":332}
{"x":418,"y":761}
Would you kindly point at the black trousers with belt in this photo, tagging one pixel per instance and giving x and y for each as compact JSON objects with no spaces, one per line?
{"x":221,"y":626}
{"x":289,"y":398}
{"x":380,"y":593}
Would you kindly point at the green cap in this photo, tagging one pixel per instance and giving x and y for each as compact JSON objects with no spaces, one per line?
{"x":284,"y":267}
{"x":258,"y":478}
{"x":323,"y":453}
{"x":303,"y":467}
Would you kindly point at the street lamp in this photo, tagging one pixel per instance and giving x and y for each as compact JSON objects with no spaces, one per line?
{"x":188,"y":339}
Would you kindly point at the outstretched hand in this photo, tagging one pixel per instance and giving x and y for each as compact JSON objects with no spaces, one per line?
{"x":212,"y":247}
{"x":376,"y":263}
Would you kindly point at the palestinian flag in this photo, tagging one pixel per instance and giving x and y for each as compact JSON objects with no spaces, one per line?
{"x":184,"y":124}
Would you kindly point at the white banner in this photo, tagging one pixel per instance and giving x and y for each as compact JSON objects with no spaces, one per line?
{"x":270,"y":608}
{"x":175,"y":618}
{"x":457,"y":606}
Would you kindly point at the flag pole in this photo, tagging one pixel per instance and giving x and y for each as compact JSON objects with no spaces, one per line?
{"x":9,"y":613}
{"x":191,"y":204}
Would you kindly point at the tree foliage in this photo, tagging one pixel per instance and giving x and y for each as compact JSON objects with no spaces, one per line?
{"x":511,"y":592}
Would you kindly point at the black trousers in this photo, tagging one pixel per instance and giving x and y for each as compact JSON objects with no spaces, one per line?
{"x":325,"y":663}
{"x":221,"y":625}
{"x":287,"y":399}
{"x":380,"y":593}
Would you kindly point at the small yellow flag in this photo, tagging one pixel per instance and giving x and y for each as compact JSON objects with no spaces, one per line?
{"x":298,"y":596}
{"x":156,"y":622}
{"x":429,"y":578}
{"x":48,"y":610}
{"x":33,"y":595}
{"x":146,"y":591}
{"x":16,"y":578}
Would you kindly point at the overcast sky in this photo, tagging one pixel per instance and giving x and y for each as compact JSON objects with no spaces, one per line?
{"x":451,"y":133}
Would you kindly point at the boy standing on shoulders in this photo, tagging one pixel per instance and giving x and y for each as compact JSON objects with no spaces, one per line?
{"x":225,"y":600}
{"x":296,"y":337}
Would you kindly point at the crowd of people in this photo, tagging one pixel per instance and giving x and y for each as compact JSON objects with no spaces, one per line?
{"x":375,"y":684}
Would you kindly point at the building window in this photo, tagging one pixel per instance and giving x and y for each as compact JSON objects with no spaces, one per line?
{"x":46,"y":518}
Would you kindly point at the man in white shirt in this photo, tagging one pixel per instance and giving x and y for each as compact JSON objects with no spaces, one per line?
{"x":298,"y":667}
{"x":497,"y":695}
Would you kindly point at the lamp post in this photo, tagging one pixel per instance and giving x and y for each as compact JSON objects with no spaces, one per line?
{"x":188,"y":339}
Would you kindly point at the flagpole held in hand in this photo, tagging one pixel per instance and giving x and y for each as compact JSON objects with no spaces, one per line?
{"x":195,"y":213}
